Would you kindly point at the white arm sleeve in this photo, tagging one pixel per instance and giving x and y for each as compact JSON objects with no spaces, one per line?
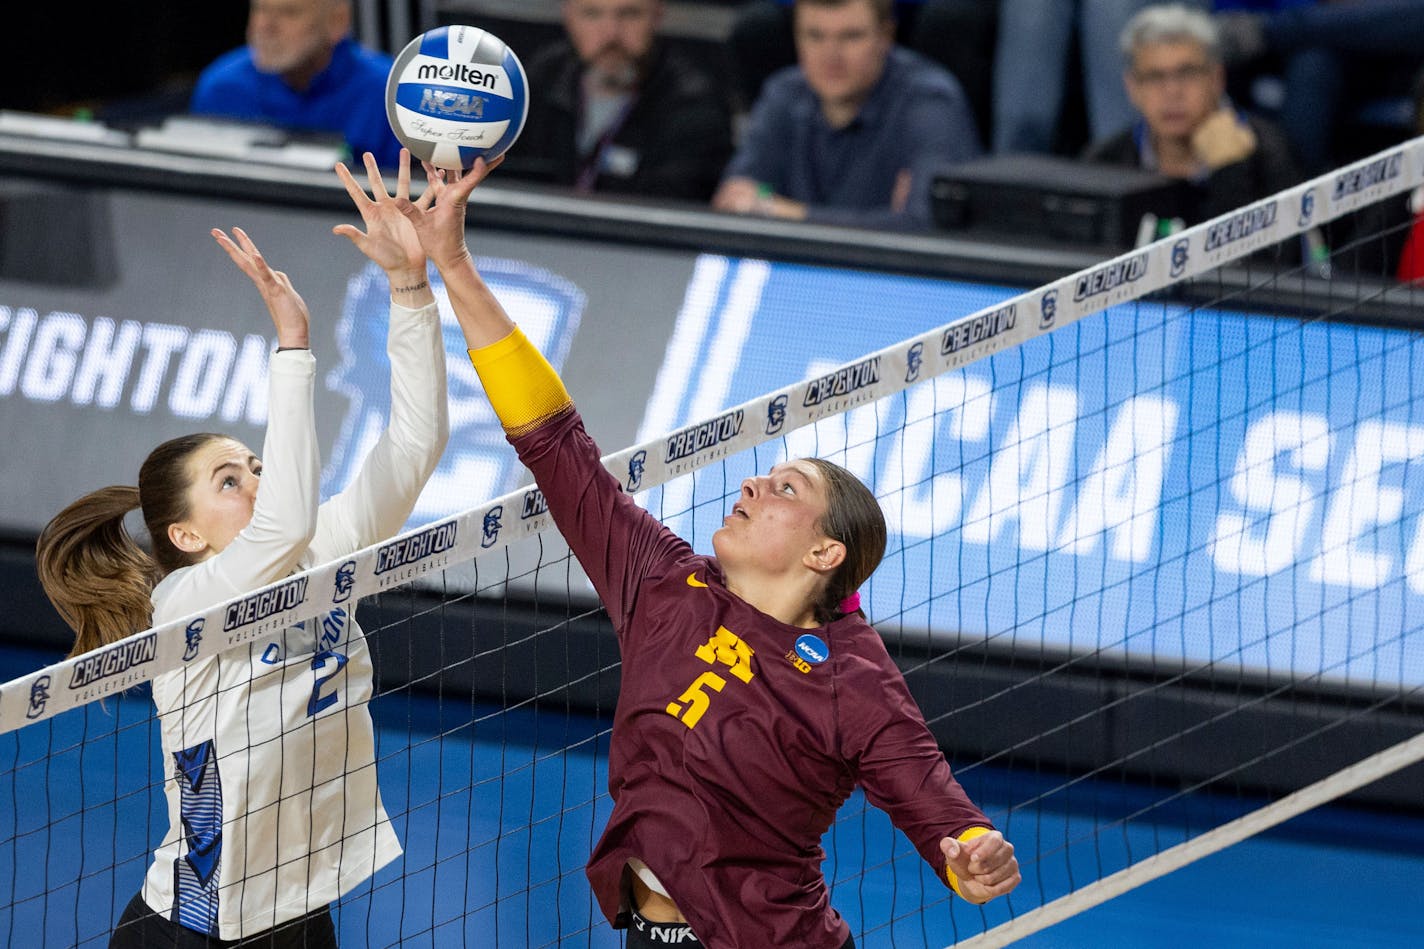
{"x":381,"y":496}
{"x":284,"y":516}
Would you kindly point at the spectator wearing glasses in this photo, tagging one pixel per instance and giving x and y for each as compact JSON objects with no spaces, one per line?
{"x":1187,"y":127}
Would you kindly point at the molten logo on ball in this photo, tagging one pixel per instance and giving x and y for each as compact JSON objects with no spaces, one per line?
{"x":457,"y":72}
{"x":455,"y":94}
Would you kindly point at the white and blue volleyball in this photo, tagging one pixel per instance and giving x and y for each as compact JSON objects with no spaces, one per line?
{"x":457,"y":93}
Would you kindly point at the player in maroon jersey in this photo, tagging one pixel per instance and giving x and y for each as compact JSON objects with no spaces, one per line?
{"x":755,"y":696}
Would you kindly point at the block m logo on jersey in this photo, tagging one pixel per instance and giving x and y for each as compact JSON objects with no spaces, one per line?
{"x":478,"y":462}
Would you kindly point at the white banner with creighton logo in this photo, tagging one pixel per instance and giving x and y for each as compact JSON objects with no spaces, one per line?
{"x":521,"y":514}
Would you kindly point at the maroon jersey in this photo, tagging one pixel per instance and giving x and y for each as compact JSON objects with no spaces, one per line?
{"x":736,"y":736}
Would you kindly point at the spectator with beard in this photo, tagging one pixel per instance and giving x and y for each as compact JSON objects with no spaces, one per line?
{"x":617,"y":111}
{"x":302,"y":71}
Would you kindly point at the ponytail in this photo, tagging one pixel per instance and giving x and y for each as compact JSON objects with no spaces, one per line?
{"x":854,"y":518}
{"x":92,"y":570}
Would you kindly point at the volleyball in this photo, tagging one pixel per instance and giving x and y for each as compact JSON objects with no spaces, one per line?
{"x":456,"y":93}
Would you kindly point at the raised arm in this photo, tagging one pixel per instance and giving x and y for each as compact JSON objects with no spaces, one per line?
{"x":617,"y":542}
{"x":438,"y":220}
{"x":534,"y":392}
{"x":285,"y":306}
{"x":284,"y":513}
{"x":377,"y":502}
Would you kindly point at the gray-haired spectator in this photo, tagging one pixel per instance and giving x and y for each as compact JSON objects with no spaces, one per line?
{"x":1187,"y":127}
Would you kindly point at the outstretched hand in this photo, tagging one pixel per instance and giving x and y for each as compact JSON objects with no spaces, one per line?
{"x":286,"y":307}
{"x":389,"y":240}
{"x":986,"y":865}
{"x":440,"y":226}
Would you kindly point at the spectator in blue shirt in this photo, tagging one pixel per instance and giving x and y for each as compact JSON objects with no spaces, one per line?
{"x":854,"y":132}
{"x":302,"y":71}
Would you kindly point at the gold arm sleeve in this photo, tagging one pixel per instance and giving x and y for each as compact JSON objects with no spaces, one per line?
{"x":522,"y":387}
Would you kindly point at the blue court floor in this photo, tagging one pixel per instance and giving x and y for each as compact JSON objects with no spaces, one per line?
{"x":497,"y":811}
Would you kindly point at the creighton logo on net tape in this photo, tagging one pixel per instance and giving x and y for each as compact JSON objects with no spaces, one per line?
{"x":478,"y":462}
{"x":1048,"y":309}
{"x":344,"y":583}
{"x":636,"y":465}
{"x":1363,"y":184}
{"x":1248,"y":229}
{"x":1181,"y":256}
{"x":39,"y":697}
{"x":775,"y":415}
{"x":406,"y":557}
{"x":535,"y":504}
{"x":914,"y":359}
{"x":192,"y":639}
{"x":748,"y":327}
{"x":117,"y":662}
{"x":1307,"y":208}
{"x":490,"y":527}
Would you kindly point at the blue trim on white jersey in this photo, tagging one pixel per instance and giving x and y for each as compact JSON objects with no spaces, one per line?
{"x":195,"y":874}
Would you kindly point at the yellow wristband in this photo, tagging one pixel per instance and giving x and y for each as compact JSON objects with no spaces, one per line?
{"x":523,"y":389}
{"x":963,"y":838}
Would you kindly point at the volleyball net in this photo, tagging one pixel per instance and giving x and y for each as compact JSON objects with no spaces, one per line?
{"x":1155,"y":575}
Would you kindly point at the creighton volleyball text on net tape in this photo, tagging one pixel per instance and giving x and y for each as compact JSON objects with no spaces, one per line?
{"x":521,"y":513}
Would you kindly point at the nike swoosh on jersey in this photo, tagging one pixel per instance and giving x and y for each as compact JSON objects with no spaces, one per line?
{"x":692,"y":581}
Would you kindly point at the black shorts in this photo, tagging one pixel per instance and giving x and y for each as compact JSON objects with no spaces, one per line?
{"x":643,"y":934}
{"x":141,"y":928}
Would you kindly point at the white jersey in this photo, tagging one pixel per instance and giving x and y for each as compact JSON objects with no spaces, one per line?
{"x":273,"y":807}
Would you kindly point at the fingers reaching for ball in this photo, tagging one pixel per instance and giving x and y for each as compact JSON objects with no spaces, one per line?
{"x":456,"y":185}
{"x":284,"y":304}
{"x":438,"y":215}
{"x":389,"y":239}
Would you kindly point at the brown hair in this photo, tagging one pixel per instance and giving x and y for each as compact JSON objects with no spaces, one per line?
{"x":854,"y":518}
{"x":884,"y":9}
{"x":93,"y":571}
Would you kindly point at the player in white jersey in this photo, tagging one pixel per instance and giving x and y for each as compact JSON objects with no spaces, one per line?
{"x":269,"y":750}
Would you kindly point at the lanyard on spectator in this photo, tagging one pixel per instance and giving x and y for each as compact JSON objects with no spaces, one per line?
{"x":591,"y":163}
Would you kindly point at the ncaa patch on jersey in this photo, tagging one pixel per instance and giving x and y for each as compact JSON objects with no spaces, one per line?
{"x":813,"y":649}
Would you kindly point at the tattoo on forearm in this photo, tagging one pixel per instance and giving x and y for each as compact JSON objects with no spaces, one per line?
{"x":412,"y":288}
